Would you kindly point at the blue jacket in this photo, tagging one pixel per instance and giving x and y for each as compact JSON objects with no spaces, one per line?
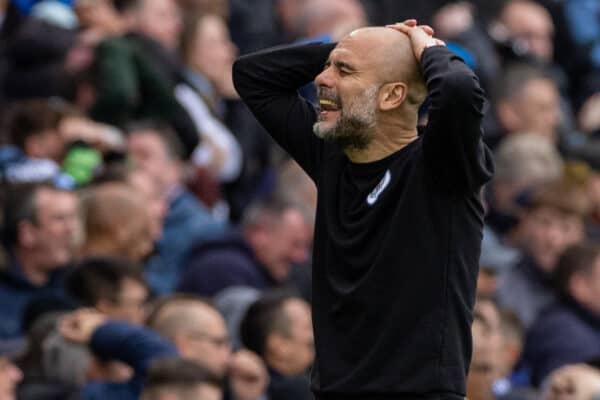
{"x":16,"y":292}
{"x":223,"y":263}
{"x":187,"y":224}
{"x":565,"y":333}
{"x":133,"y":345}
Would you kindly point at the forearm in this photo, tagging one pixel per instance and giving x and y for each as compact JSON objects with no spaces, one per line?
{"x":133,"y":345}
{"x":452,"y":145}
{"x":451,"y":85}
{"x":279,"y":69}
{"x":268,"y":81}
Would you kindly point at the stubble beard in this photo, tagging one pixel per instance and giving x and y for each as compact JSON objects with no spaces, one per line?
{"x":354,"y":129}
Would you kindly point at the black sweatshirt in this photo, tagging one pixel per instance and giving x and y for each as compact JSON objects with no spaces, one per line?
{"x":397,"y":241}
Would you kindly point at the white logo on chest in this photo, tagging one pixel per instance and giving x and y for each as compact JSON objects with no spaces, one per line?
{"x":383,"y":183}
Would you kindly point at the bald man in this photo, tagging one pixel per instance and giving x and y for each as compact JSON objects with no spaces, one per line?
{"x":199,"y":333}
{"x":399,"y":218}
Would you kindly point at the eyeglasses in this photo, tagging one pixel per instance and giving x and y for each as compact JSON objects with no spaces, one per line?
{"x":218,"y":341}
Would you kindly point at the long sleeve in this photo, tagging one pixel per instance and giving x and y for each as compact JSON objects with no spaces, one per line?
{"x":453,"y":149}
{"x":135,"y":346}
{"x":268,"y":81}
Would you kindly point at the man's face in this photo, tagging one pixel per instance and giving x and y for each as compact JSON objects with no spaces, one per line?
{"x":283,"y":243}
{"x":156,"y":200}
{"x":10,"y":376}
{"x":547,"y":232}
{"x":148,"y":153}
{"x":300,"y":340}
{"x":531,"y":27}
{"x":538,"y":108}
{"x":56,"y":234}
{"x":209,"y":345}
{"x":161,"y":21}
{"x":348,"y":89}
{"x":130,"y":302}
{"x":213,"y":53}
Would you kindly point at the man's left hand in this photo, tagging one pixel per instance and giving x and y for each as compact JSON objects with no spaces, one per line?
{"x":421,"y":36}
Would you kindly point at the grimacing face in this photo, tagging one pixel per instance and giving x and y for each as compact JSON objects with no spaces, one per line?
{"x":347,"y":90}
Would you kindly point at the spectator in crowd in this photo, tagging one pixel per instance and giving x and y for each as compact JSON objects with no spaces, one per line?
{"x":155,"y":149}
{"x":278,"y":327}
{"x":118,"y":290}
{"x":114,"y":287}
{"x":484,"y":368}
{"x":42,"y":231}
{"x":274,"y":235}
{"x":530,"y":28}
{"x":208,"y":54}
{"x":552,"y":220}
{"x":198,"y":331}
{"x":135,"y":74}
{"x":53,"y":368}
{"x":43,"y":138}
{"x":527,"y":100}
{"x":331,"y":20}
{"x":568,"y":332}
{"x":10,"y":374}
{"x":514,"y":381}
{"x":106,"y":207}
{"x":180,"y":379}
{"x":524,"y":162}
{"x":133,"y":345}
{"x":578,"y":44}
{"x":35,"y":147}
{"x":141,"y":182}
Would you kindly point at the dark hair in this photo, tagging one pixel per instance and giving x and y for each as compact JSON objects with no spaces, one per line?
{"x":164,"y":131}
{"x":264,"y":317}
{"x":123,"y":6}
{"x":516,"y":77}
{"x":32,"y":117}
{"x":20,"y":205}
{"x":266,"y":211}
{"x":178,"y":374}
{"x":577,"y":259}
{"x":100,"y":278}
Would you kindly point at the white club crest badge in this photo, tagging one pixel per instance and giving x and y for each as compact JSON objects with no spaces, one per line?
{"x":383,"y":183}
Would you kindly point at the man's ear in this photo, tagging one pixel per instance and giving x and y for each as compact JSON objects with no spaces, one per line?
{"x":392,"y":95}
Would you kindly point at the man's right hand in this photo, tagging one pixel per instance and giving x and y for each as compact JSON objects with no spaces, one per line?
{"x":80,"y":325}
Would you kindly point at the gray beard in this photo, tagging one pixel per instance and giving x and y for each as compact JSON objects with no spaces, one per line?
{"x":354,"y":129}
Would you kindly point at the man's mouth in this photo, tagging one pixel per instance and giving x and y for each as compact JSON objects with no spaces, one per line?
{"x":328,"y":105}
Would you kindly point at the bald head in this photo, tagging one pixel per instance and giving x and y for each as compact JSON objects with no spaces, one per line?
{"x":184,"y":315}
{"x":390,"y":53}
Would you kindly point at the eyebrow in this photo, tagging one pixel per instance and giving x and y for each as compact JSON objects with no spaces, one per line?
{"x":340,"y":65}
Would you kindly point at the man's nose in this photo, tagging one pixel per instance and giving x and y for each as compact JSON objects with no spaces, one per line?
{"x":325,"y":78}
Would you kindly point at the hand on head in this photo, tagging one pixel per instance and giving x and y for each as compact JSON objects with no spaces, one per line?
{"x":80,"y":325}
{"x":421,"y":36}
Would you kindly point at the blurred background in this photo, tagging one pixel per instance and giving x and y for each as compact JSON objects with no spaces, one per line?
{"x":156,"y":242}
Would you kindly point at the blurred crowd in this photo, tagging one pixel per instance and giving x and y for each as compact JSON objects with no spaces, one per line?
{"x":156,"y":242}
